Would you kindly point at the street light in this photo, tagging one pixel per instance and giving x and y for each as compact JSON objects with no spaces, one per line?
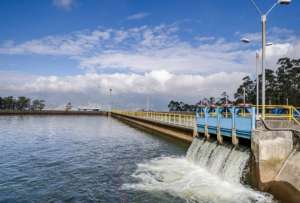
{"x":110,"y":99}
{"x":244,"y":96}
{"x":263,"y":54}
{"x":285,"y":2}
{"x":248,"y":41}
{"x":245,"y":40}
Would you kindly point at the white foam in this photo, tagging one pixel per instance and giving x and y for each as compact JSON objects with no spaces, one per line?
{"x":210,"y":174}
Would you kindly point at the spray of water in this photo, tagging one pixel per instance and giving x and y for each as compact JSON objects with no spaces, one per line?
{"x":209,"y":173}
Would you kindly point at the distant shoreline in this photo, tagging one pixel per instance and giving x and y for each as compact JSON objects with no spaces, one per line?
{"x":53,"y":112}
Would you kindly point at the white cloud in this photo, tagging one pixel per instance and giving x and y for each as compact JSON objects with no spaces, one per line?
{"x":204,"y":38}
{"x":138,"y":16}
{"x":161,"y":83}
{"x":64,"y":4}
{"x":154,"y":52}
{"x":73,"y":44}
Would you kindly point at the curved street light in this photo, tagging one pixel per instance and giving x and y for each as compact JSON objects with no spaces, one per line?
{"x":263,"y":54}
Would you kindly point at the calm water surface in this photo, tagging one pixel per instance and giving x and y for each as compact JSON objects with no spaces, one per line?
{"x":76,"y":159}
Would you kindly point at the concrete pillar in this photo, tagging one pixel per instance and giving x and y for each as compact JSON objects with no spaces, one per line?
{"x":195,"y":131}
{"x":219,"y":136}
{"x":234,"y":139}
{"x":206,"y":134}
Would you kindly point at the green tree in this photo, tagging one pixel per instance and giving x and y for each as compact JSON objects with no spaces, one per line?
{"x":249,"y":86}
{"x":1,"y":103}
{"x":288,"y":80}
{"x":23,"y":103}
{"x":271,"y":87}
{"x":38,"y":105}
{"x":173,"y":105}
{"x":282,"y":85}
{"x":9,"y":103}
{"x":222,"y":100}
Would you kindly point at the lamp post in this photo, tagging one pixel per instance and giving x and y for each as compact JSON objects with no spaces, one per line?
{"x":244,"y":96}
{"x":263,"y":52}
{"x":148,"y":103}
{"x":257,"y":86}
{"x":245,"y":40}
{"x":110,"y":100}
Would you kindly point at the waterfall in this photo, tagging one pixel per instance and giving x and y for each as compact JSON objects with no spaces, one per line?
{"x":209,"y":173}
{"x":222,"y":160}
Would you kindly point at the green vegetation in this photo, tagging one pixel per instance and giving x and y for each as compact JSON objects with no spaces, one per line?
{"x":21,"y":104}
{"x":181,"y":106}
{"x":282,"y":85}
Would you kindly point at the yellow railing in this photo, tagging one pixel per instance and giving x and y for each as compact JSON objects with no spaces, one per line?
{"x":285,"y":112}
{"x":295,"y":111}
{"x":278,"y":111}
{"x":178,"y":119}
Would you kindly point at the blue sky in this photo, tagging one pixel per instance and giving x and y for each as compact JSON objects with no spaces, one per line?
{"x":181,"y":50}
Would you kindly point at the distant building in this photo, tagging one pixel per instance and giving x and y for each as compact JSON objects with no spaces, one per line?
{"x":68,"y":107}
{"x":90,"y":108}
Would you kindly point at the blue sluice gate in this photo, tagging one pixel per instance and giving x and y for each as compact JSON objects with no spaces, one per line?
{"x":228,"y":121}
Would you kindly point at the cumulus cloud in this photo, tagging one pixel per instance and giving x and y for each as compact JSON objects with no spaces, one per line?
{"x":161,"y":83}
{"x":64,"y":4}
{"x":138,"y":16}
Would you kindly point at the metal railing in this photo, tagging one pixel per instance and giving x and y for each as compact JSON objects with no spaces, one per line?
{"x":170,"y":118}
{"x":187,"y":120}
{"x":284,"y":112}
{"x":280,"y":111}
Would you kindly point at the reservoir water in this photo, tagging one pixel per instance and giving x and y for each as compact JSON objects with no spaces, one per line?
{"x":99,"y":159}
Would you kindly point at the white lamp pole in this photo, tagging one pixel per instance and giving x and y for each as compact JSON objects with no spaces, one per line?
{"x":110,"y":100}
{"x":245,"y":40}
{"x":263,"y":52}
{"x":244,"y":96}
{"x":257,"y":86}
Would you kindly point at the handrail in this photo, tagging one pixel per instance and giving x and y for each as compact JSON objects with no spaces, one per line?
{"x":295,"y":119}
{"x":285,"y":113}
{"x":280,"y":129}
{"x":172,"y":118}
{"x":188,"y":120}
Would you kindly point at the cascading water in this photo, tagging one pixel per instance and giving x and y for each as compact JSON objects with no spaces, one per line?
{"x":210,"y":173}
{"x":222,"y":160}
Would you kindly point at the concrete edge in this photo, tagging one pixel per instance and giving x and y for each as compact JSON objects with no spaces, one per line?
{"x":169,"y":131}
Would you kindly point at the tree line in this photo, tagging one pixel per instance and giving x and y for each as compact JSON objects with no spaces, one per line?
{"x":181,"y":106}
{"x":282,"y":84}
{"x":21,"y":104}
{"x":282,"y":87}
